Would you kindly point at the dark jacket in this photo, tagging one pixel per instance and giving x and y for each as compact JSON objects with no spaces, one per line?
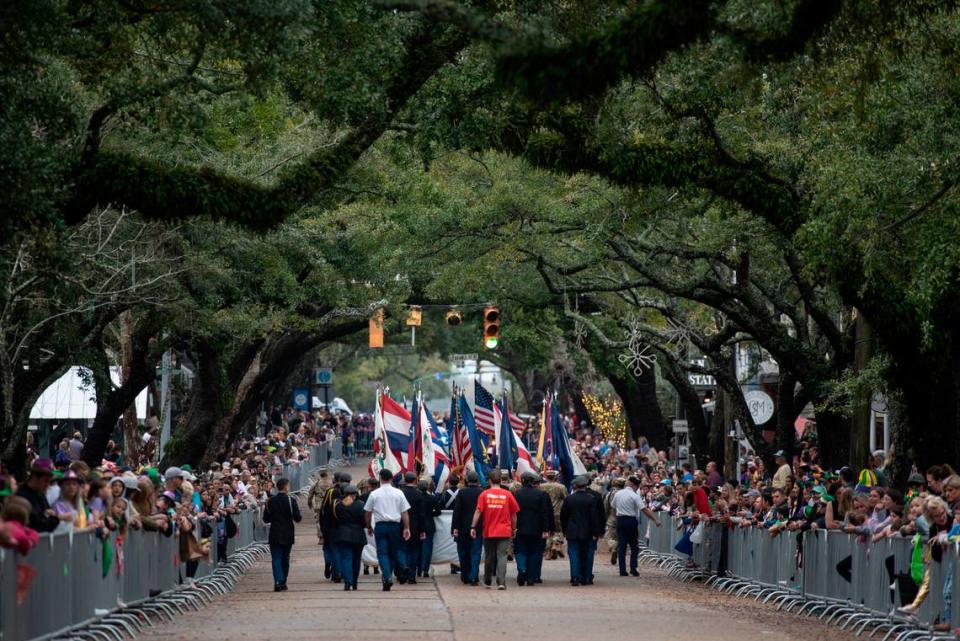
{"x":39,"y":519}
{"x":281,"y":512}
{"x":601,"y":521}
{"x":350,"y":523}
{"x":333,"y":494}
{"x":463,"y":508}
{"x":416,"y":513}
{"x":447,"y":498}
{"x":536,"y":512}
{"x":431,"y":509}
{"x":579,"y":516}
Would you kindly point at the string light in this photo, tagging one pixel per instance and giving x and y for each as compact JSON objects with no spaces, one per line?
{"x":607,"y":414}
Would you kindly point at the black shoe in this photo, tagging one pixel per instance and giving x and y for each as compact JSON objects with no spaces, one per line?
{"x":283,"y":586}
{"x":277,"y":587}
{"x":464,"y":580}
{"x":509,"y":557}
{"x":376,"y":570}
{"x":337,"y":579}
{"x":538,"y":581}
{"x":521,"y":578}
{"x":346,"y":587}
{"x":401,"y":580}
{"x":454,"y":569}
{"x":474,"y":583}
{"x":634,"y":573}
{"x":411,"y":582}
{"x":327,"y":571}
{"x":588,"y":582}
{"x":575,"y":583}
{"x":366,"y":570}
{"x":387,"y":585}
{"x":622,"y":573}
{"x":353,"y":587}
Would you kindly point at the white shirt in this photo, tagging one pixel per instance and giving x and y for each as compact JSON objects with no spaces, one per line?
{"x":387,"y":504}
{"x":626,"y":502}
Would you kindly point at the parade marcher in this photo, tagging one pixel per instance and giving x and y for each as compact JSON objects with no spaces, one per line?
{"x":348,"y":536}
{"x":388,"y":519}
{"x":534,"y":522}
{"x":328,"y":524}
{"x":446,"y":504}
{"x":431,"y":510}
{"x":616,"y":485}
{"x":281,"y":513}
{"x":318,"y":488}
{"x":408,"y":560}
{"x":627,"y":506}
{"x":498,"y":509}
{"x":557,"y":493}
{"x":468,"y":548}
{"x":579,"y":519}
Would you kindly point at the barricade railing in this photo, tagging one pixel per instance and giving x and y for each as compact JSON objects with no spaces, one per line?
{"x":839,"y":577}
{"x":80,"y":576}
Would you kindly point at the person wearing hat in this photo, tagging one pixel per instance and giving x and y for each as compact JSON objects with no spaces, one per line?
{"x":42,"y":516}
{"x":348,"y":535}
{"x":534,"y":524}
{"x":783,"y":474}
{"x":557,"y":493}
{"x":173,"y":481}
{"x":468,"y":548}
{"x":281,"y":512}
{"x":915,"y":486}
{"x":579,"y":520}
{"x":408,"y":558}
{"x":70,"y":507}
{"x":328,"y":523}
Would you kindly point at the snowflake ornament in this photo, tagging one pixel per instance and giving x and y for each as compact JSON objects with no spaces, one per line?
{"x":678,"y":336}
{"x":638,"y":355}
{"x":579,"y":334}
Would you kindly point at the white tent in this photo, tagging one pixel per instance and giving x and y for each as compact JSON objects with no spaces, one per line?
{"x":336,"y":405}
{"x":69,"y":397}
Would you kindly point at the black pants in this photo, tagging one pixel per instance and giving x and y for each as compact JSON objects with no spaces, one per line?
{"x":627,"y":534}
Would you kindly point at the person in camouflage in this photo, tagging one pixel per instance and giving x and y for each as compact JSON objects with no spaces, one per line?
{"x":319,"y":487}
{"x":557,"y":493}
{"x":616,"y":485}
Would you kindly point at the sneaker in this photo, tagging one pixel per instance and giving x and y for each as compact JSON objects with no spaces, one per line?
{"x":501,"y":586}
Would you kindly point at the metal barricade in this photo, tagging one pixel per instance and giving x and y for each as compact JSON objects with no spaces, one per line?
{"x":336,"y":450}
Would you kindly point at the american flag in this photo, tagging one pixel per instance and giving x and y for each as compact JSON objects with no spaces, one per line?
{"x":483,"y":410}
{"x":460,"y":449}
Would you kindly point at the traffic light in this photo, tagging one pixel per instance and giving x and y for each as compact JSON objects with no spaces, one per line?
{"x":491,"y":327}
{"x":376,"y":329}
{"x":454,"y":317}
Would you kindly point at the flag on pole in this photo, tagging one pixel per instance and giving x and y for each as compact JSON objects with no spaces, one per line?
{"x":383,"y":457}
{"x":570,"y":464}
{"x":459,"y":439}
{"x":477,"y":447}
{"x":396,"y":421}
{"x":512,"y":453}
{"x":436,"y":462}
{"x":484,"y":410}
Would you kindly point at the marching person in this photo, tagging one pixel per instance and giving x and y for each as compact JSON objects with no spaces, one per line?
{"x":348,"y":536}
{"x":388,"y":519}
{"x":446,"y":505}
{"x":320,"y":485}
{"x":281,"y":512}
{"x":534,"y":524}
{"x":431,"y":510}
{"x":468,"y":547}
{"x":627,"y":505}
{"x":326,"y":525}
{"x":409,"y":556}
{"x":616,"y":485}
{"x":498,"y":509}
{"x":557,"y":493}
{"x":579,"y":520}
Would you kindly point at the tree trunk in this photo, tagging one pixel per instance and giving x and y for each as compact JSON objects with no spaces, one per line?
{"x":860,"y":424}
{"x":131,"y":437}
{"x":693,"y":408}
{"x":204,"y":409}
{"x":641,"y":406}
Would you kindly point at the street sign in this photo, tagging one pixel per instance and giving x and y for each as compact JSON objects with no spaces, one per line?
{"x":760,"y":405}
{"x":680,"y":427}
{"x":301,"y":399}
{"x":459,"y":360}
{"x":324,"y":376}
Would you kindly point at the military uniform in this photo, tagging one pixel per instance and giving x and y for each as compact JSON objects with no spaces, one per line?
{"x":315,"y":502}
{"x":611,"y":534}
{"x":557,"y":494}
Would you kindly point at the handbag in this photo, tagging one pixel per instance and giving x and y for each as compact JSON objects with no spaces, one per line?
{"x":230,"y":527}
{"x":697,"y":537}
{"x":684,"y":546}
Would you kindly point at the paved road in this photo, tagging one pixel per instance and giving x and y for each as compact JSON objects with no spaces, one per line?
{"x":651,"y":607}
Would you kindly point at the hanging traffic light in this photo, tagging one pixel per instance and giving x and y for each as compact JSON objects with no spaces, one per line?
{"x":454,"y":317}
{"x":376,"y":329}
{"x":491,"y":327}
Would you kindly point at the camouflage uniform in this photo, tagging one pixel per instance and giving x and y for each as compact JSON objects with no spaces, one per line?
{"x":557,"y":494}
{"x":618,"y":484}
{"x":315,"y":501}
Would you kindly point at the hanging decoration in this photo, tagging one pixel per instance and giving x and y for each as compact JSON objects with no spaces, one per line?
{"x":638,"y":355}
{"x":606,"y":412}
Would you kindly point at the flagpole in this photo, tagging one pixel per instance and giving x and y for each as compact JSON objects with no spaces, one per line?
{"x":543,"y":432}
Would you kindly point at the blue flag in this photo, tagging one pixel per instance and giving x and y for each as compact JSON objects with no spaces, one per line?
{"x":561,"y":446}
{"x":507,"y":451}
{"x":480,"y":462}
